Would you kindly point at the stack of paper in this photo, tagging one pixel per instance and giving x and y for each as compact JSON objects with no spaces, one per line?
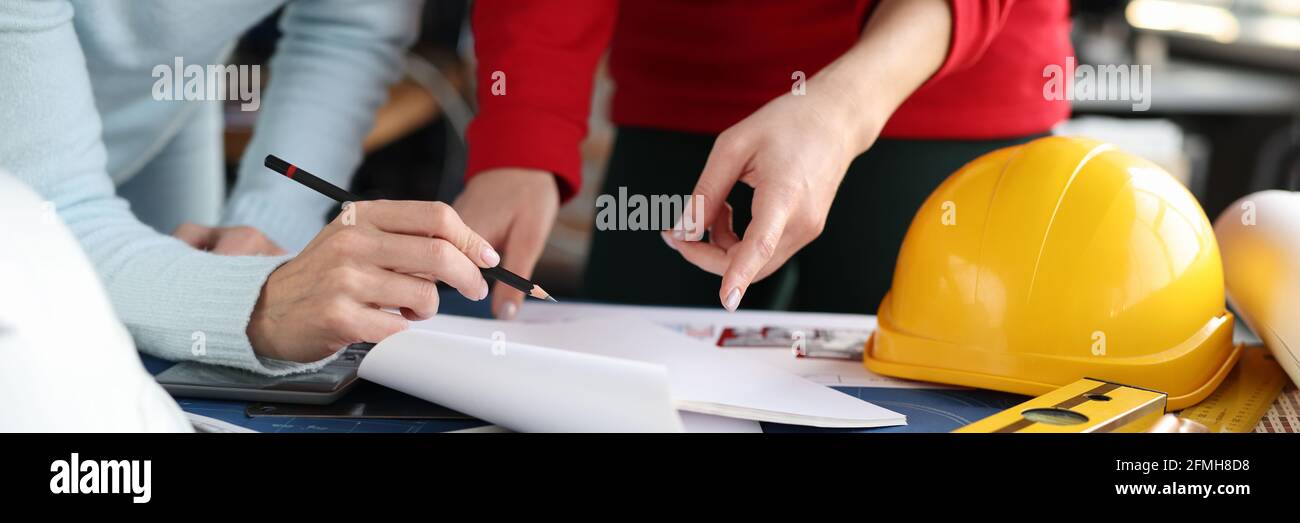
{"x":602,"y":374}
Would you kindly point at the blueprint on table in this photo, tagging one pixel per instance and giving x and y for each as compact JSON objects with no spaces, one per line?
{"x":233,"y":412}
{"x":927,"y":410}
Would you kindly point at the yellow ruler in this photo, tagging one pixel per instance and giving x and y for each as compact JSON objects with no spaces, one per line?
{"x":1086,"y":405}
{"x":1243,"y":397}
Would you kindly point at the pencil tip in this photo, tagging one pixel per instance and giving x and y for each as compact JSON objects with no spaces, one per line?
{"x":552,"y":299}
{"x":540,"y":293}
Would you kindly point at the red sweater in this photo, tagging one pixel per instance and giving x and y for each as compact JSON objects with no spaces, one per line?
{"x":701,"y":66}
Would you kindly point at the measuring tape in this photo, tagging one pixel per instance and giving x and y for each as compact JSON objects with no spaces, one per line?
{"x":1284,"y":415}
{"x":1243,"y":397}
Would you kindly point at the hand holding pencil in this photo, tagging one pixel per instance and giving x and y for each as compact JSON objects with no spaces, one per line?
{"x":377,"y":255}
{"x":340,"y":195}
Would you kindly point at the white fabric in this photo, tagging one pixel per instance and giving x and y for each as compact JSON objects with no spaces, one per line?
{"x":66,"y":363}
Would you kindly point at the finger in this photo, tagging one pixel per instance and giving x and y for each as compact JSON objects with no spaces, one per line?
{"x":772,"y":211}
{"x":721,"y":231}
{"x":506,"y":301}
{"x":373,"y":325}
{"x":704,"y":255}
{"x":712,"y":258}
{"x":197,"y":236}
{"x":435,"y":257}
{"x":726,"y":162}
{"x":416,"y":297}
{"x":524,"y":247}
{"x":429,"y":219}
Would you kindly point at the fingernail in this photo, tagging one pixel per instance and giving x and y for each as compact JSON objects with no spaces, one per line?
{"x":490,"y":256}
{"x":484,"y":293}
{"x":668,"y":240}
{"x":509,"y":310}
{"x":733,"y":299}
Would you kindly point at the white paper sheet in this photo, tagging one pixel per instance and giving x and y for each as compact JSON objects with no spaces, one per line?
{"x":697,"y":423}
{"x":693,"y":422}
{"x":213,"y":425}
{"x":707,"y":324}
{"x":543,"y":311}
{"x":703,"y":379}
{"x":522,"y":387}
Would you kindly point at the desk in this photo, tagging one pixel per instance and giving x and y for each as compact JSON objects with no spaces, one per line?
{"x":927,"y":410}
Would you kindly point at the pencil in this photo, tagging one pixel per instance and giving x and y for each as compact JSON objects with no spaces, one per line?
{"x":338,"y":194}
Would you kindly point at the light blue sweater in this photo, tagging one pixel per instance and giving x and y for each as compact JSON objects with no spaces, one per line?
{"x":78,"y":117}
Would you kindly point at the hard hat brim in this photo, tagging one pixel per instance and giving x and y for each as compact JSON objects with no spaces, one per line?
{"x":1184,"y":392}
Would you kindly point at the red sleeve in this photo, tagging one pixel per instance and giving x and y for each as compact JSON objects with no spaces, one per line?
{"x":546,"y":52}
{"x":974,"y":24}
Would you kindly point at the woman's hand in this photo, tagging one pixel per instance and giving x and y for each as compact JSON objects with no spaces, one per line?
{"x":513,"y":208}
{"x":794,"y":150}
{"x":374,"y":255}
{"x":231,"y":241}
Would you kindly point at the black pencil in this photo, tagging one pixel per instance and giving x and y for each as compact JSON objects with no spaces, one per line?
{"x":338,"y":194}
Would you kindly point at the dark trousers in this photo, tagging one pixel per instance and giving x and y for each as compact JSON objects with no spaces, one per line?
{"x":847,"y":269}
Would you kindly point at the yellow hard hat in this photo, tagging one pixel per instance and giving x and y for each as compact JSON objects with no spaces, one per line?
{"x":1040,"y":264}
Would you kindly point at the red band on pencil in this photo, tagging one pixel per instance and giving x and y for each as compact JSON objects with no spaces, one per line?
{"x":292,"y":169}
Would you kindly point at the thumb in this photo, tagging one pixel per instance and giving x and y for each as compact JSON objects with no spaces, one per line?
{"x":522,"y":250}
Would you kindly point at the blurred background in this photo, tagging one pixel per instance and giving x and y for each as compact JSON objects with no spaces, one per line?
{"x":1224,"y":115}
